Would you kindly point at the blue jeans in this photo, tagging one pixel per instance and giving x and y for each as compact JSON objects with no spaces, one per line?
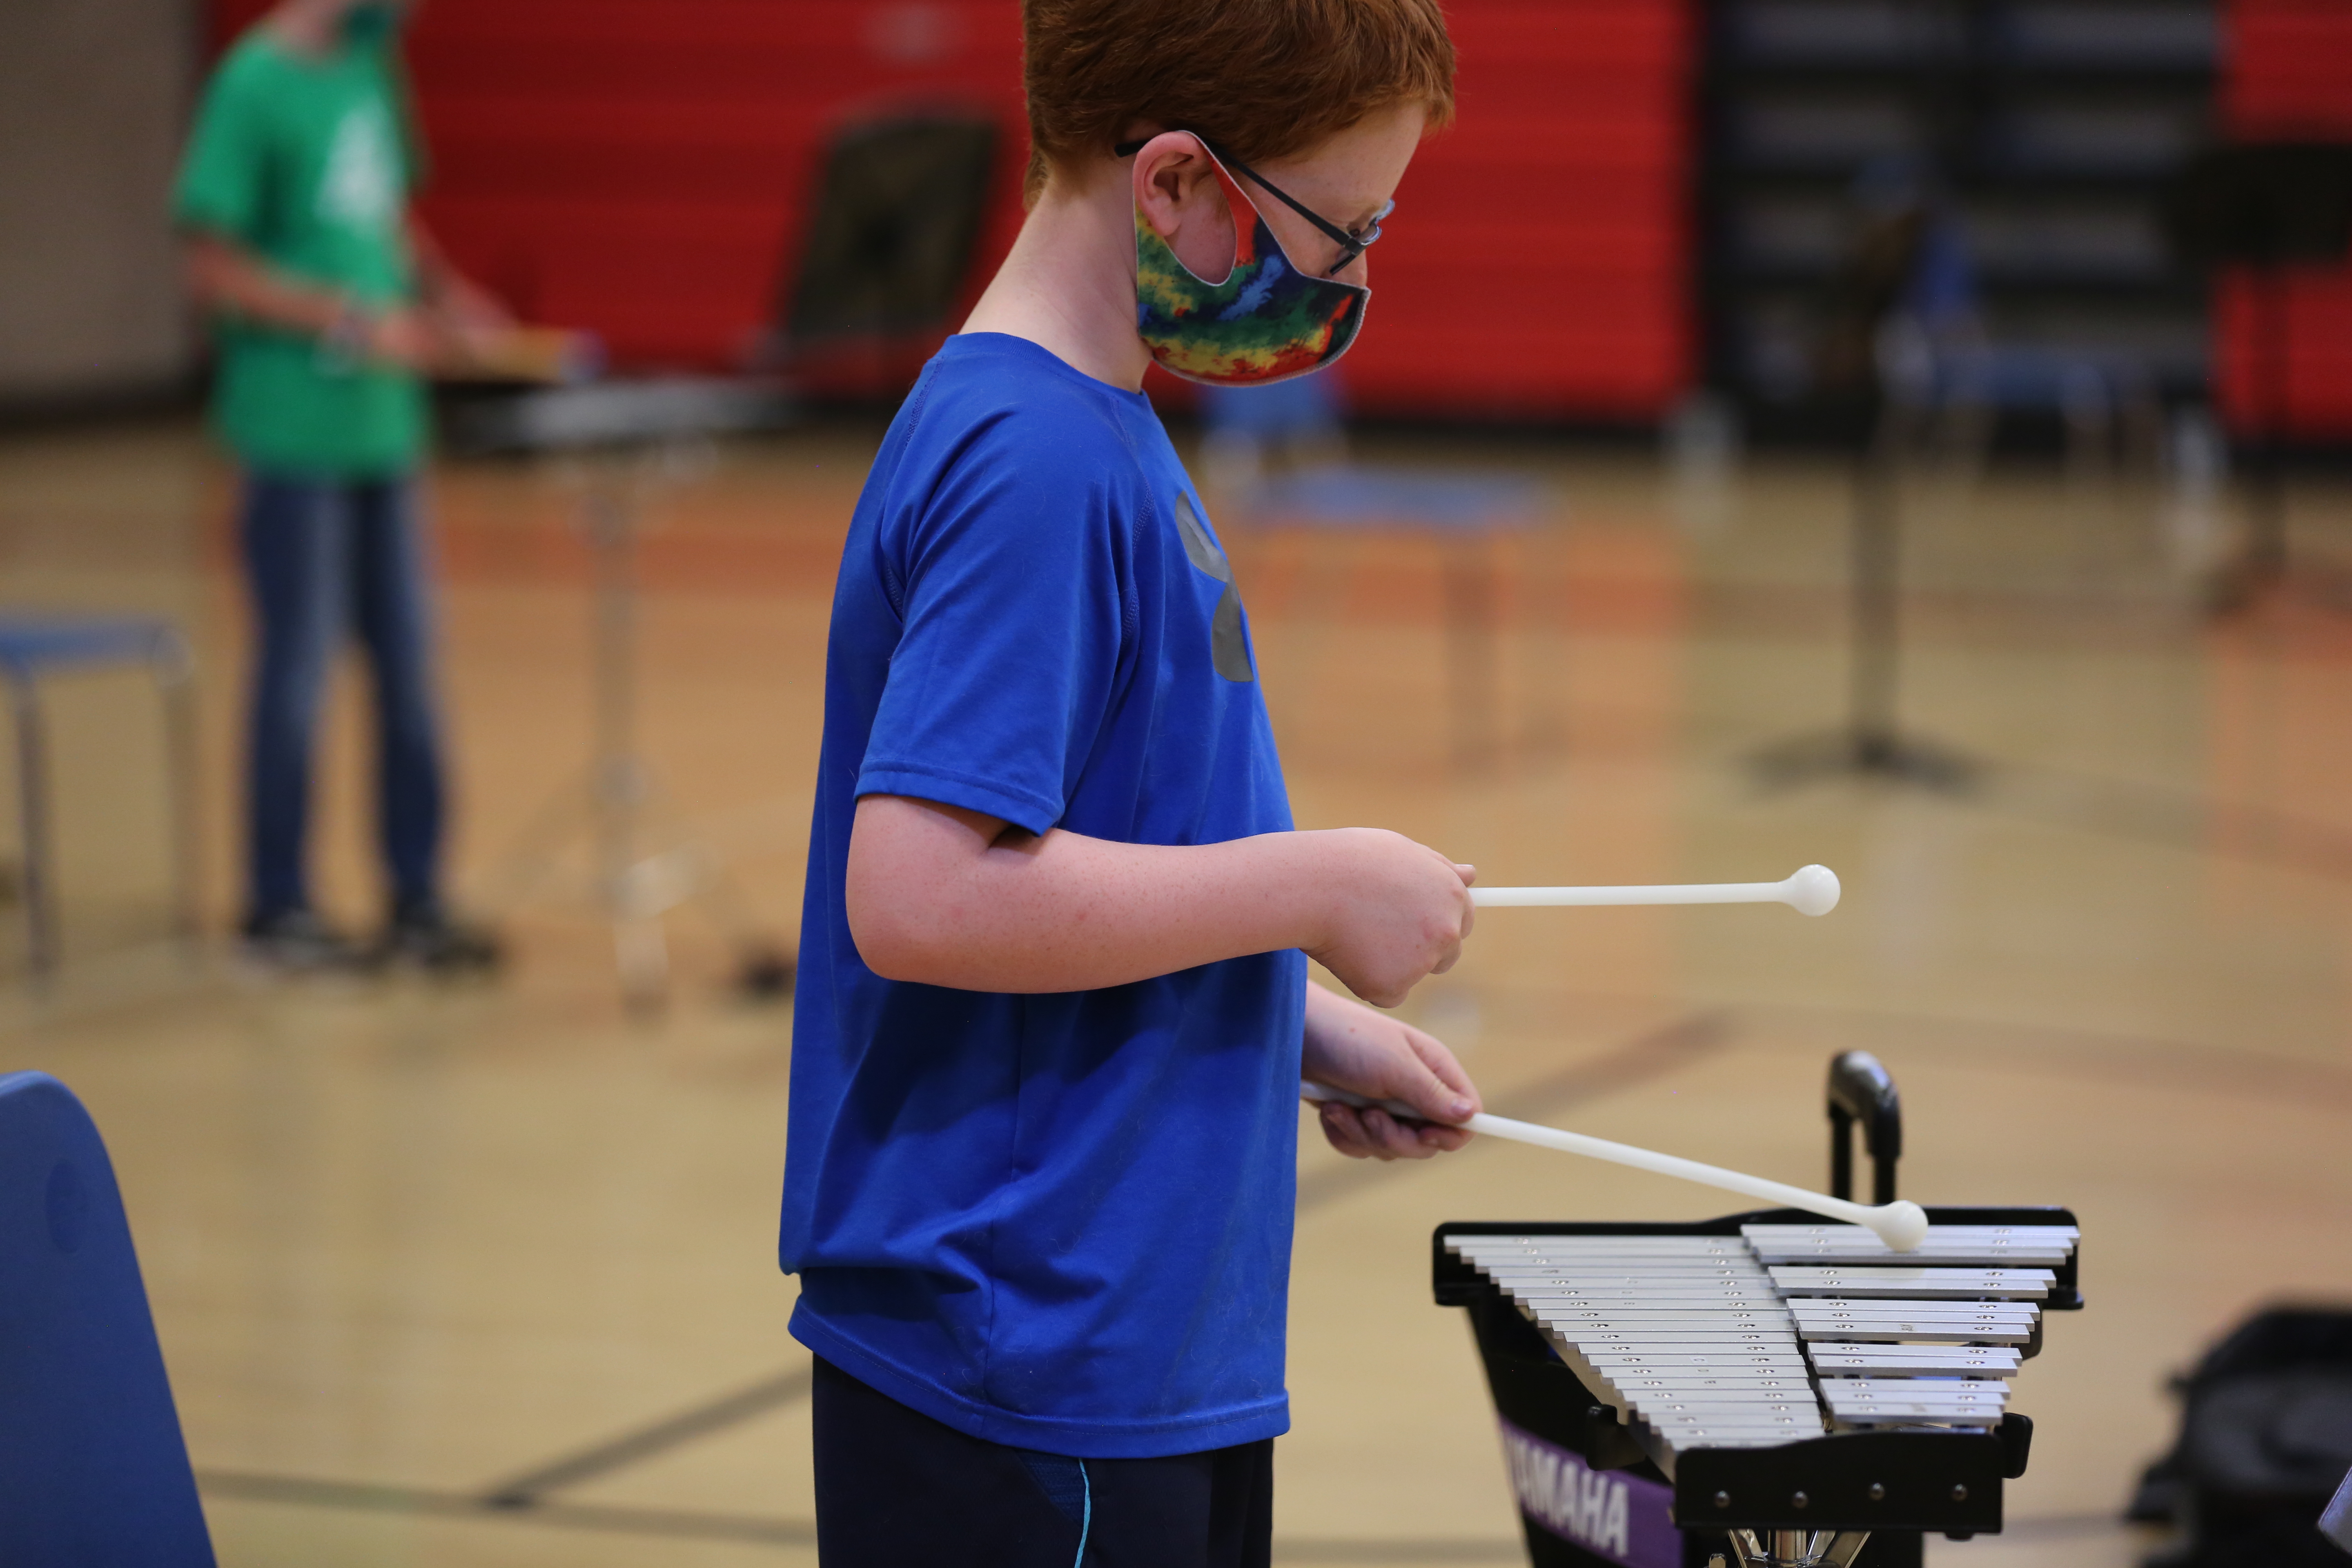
{"x":326,"y":559}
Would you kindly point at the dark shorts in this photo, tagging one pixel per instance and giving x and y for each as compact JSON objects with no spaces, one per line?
{"x":897,"y":1490}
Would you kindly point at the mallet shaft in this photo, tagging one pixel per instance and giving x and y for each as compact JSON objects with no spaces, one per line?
{"x":1900,"y":1224}
{"x":1811,"y":890}
{"x":1686,"y":893}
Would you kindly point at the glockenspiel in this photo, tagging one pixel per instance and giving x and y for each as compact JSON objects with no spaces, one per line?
{"x":1765,"y":1388}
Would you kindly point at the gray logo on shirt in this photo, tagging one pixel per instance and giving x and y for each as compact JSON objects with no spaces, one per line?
{"x":359,"y":186}
{"x":1228,"y":648}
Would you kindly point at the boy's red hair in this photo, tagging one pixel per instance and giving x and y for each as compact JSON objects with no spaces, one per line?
{"x":1263,"y":78}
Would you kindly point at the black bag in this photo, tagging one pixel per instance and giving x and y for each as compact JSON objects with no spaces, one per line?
{"x":2266,"y":1438}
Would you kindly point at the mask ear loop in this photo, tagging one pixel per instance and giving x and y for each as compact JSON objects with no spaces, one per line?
{"x":1245,"y":235}
{"x":1350,"y":248}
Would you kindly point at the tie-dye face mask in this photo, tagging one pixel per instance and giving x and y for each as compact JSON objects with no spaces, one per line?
{"x":1265,"y":320}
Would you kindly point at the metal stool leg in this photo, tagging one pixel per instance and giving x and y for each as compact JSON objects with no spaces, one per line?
{"x":33,"y":806}
{"x":1471,"y":667}
{"x":176,"y":684}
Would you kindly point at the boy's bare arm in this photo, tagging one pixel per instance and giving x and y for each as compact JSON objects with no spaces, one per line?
{"x":447,"y":290}
{"x":229,"y":277}
{"x":226,"y":276}
{"x":942,"y":896}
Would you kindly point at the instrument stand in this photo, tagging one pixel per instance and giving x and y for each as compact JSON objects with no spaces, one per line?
{"x":1871,"y":743}
{"x":2265,"y":565}
{"x":642,"y":864}
{"x":1862,"y":1098}
{"x":1626,"y":1425}
{"x":1795,"y":1548}
{"x":2266,"y":207}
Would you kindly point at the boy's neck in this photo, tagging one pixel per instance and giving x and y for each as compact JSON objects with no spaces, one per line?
{"x":1068,"y":285}
{"x":308,"y":27}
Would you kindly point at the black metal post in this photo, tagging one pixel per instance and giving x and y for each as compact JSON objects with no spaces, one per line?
{"x":32,"y":815}
{"x":176,"y":686}
{"x":2266,"y":545}
{"x":1876,"y":629}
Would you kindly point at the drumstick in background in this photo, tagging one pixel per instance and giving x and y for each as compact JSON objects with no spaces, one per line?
{"x":548,"y":356}
{"x":1810,"y":891}
{"x":1902,"y":1224}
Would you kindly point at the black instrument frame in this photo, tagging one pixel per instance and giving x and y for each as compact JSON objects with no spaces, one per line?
{"x":1926,"y":1481}
{"x":1861,"y":1092}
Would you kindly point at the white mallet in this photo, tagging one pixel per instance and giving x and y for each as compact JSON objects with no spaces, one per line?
{"x":1902,"y":1224}
{"x":1810,"y":891}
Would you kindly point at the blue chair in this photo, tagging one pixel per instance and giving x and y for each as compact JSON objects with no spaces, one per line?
{"x":2337,"y":1523}
{"x":93,"y":1470}
{"x":1463,"y":511}
{"x":1306,"y":412}
{"x":34,"y":644}
{"x":1940,"y":357}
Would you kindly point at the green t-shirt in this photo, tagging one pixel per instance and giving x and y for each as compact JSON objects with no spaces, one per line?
{"x":306,"y":162}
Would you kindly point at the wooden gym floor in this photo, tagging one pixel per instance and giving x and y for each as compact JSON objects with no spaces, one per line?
{"x":483,"y":1275}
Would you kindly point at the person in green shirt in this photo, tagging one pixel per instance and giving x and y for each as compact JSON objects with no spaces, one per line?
{"x":331,"y":305}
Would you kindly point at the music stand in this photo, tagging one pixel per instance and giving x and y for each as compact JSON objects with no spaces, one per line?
{"x":2266,"y":206}
{"x":890,"y":253}
{"x":623,"y":433}
{"x":1865,"y":297}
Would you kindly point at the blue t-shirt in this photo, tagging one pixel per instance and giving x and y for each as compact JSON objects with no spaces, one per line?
{"x":1061,"y":1222}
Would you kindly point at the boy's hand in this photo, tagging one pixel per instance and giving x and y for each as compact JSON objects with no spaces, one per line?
{"x":1351,"y":1047}
{"x":1398,"y":911}
{"x":404,"y":337}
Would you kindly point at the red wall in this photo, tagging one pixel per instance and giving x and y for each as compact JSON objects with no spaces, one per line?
{"x":641,"y":167}
{"x":2289,"y":74}
{"x":1538,"y":263}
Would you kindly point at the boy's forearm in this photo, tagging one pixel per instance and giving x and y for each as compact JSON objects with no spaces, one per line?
{"x":228,"y":278}
{"x":441,"y":286}
{"x":435,"y":270}
{"x":1063,"y":912}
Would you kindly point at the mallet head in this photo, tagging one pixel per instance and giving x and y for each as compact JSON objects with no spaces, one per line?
{"x":1813,"y":890}
{"x":1902,"y":1224}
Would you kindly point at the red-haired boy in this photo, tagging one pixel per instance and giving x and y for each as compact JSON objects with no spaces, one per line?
{"x":1054,"y":1006}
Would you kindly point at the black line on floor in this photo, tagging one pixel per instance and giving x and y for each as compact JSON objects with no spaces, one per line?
{"x":2057,"y":1052}
{"x":679,"y":1524}
{"x":1471,"y":1549}
{"x":1652,"y":1054}
{"x":2065,"y":1526}
{"x":526,"y":1489}
{"x":368,"y":1498}
{"x":2174,"y":819}
{"x":750,"y":1529}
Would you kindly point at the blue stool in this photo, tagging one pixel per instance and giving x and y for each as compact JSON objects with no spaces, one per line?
{"x":2337,"y":1523}
{"x":1465,"y":513}
{"x":34,"y":644}
{"x":92,"y":1467}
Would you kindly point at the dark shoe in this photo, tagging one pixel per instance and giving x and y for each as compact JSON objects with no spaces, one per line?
{"x":297,"y":942}
{"x":766,"y":974}
{"x":428,"y":938}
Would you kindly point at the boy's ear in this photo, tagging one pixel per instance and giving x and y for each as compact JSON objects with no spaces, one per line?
{"x":1180,"y":195}
{"x":1169,"y":170}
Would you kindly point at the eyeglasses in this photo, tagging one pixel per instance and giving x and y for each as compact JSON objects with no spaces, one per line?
{"x":1352,"y":243}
